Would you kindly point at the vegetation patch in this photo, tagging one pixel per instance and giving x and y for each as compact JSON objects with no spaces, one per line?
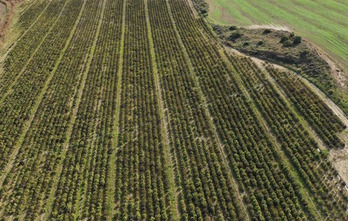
{"x":288,"y":49}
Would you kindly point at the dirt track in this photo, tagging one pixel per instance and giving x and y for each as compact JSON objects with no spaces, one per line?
{"x":339,"y":158}
{"x":8,"y":8}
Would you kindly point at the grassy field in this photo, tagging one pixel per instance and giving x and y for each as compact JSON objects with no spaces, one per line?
{"x":324,"y":22}
{"x":133,"y":110}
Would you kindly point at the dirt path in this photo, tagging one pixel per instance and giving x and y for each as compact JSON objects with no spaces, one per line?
{"x":339,"y":158}
{"x":270,"y":26}
{"x":8,"y":6}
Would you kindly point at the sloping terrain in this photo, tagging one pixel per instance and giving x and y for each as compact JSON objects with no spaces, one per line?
{"x":320,"y":22}
{"x":323,"y":22}
{"x":133,"y":110}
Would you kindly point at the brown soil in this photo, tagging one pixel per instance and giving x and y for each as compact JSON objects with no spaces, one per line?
{"x":337,"y":72}
{"x":269,"y":26}
{"x":6,"y":20}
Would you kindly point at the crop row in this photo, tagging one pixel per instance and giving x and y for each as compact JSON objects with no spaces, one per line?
{"x":205,"y":183}
{"x":142,"y":185}
{"x":31,"y":12}
{"x":30,"y":182}
{"x":325,"y":123}
{"x":15,"y":109}
{"x":303,"y":151}
{"x":271,"y":191}
{"x":25,"y":47}
{"x":82,"y":188}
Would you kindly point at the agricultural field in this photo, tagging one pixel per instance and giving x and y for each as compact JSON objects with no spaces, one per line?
{"x":134,"y":110}
{"x":323,"y":22}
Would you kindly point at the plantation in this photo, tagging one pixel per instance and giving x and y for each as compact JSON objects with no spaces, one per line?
{"x":133,"y":110}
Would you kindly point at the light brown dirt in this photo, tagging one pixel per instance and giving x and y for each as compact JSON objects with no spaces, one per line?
{"x":190,"y":3}
{"x":337,"y":72}
{"x":269,"y":26}
{"x":9,"y":6}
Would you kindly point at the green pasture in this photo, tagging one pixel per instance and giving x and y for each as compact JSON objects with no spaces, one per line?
{"x":324,"y":22}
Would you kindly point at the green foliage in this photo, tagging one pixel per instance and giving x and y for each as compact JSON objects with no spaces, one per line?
{"x":234,"y":36}
{"x":287,"y":43}
{"x":284,"y":39}
{"x":297,"y":40}
{"x":260,"y":43}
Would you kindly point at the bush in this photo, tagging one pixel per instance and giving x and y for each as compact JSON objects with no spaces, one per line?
{"x":267,"y":31}
{"x":260,"y":43}
{"x":233,"y":27}
{"x":283,"y":39}
{"x":287,"y":43}
{"x":234,"y":36}
{"x":297,"y":40}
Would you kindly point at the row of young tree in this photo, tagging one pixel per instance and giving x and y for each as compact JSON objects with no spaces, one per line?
{"x":325,"y":123}
{"x":18,"y":90}
{"x":82,"y":190}
{"x":204,"y":180}
{"x":63,"y":167}
{"x":142,"y":185}
{"x":302,"y":150}
{"x":270,"y":191}
{"x":30,"y":183}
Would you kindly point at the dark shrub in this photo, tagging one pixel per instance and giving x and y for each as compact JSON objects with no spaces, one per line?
{"x":260,"y":43}
{"x":233,"y":27}
{"x":267,"y":31}
{"x":287,"y":43}
{"x":283,"y":39}
{"x":297,"y":40}
{"x":234,"y":36}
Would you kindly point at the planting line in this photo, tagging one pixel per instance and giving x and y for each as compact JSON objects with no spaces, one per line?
{"x":27,"y":124}
{"x":29,"y":28}
{"x":50,"y":200}
{"x":164,"y":129}
{"x":32,"y":55}
{"x":206,"y":111}
{"x":115,"y":133}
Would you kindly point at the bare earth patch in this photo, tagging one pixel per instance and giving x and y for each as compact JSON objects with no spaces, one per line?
{"x":337,"y":72}
{"x":269,"y":26}
{"x":7,"y":9}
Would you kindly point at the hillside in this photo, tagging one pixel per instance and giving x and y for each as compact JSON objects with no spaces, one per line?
{"x":322,"y":23}
{"x":134,"y":110}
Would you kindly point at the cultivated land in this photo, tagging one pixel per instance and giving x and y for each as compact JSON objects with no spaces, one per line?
{"x":133,"y":110}
{"x":324,"y":22}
